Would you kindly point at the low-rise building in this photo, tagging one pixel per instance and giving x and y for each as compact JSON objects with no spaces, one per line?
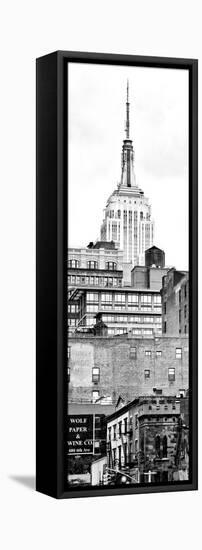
{"x":122,"y":309}
{"x":126,"y":365}
{"x":98,"y":265}
{"x":143,"y":439}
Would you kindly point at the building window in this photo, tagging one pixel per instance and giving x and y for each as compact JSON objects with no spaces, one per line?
{"x":178,"y":353}
{"x":171,"y":374}
{"x":185,"y":291}
{"x":180,"y":316}
{"x":111,"y":266}
{"x":185,"y":311}
{"x":164,"y":308}
{"x":72,"y":322}
{"x":157,"y":391}
{"x":148,"y":353}
{"x":95,"y":395}
{"x":133,"y":298}
{"x":158,"y":353}
{"x":147,"y":373}
{"x":68,"y":374}
{"x":114,"y":428}
{"x":136,"y":420}
{"x":109,"y":433}
{"x":146,"y":299}
{"x":185,"y":329}
{"x":114,"y":457}
{"x":120,"y":429}
{"x":158,"y":445}
{"x":133,"y":352}
{"x":125,"y":426}
{"x":92,"y":297}
{"x":92,"y":264}
{"x":136,"y":446}
{"x":120,"y":298}
{"x":68,"y":352}
{"x":157,"y":299}
{"x":106,"y":298}
{"x":147,"y":331}
{"x":73,"y":263}
{"x":164,"y":327}
{"x":180,"y":297}
{"x":95,"y":374}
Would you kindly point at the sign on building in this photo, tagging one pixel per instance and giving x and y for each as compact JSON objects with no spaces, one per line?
{"x":80,"y":434}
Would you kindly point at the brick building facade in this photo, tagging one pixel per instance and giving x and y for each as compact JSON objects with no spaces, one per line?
{"x":143,"y":439}
{"x":107,"y":367}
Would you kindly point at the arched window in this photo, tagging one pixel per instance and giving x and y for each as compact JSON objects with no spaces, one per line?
{"x":141,"y":215}
{"x":111,"y":266}
{"x":158,"y":445}
{"x":73,"y":263}
{"x":92,"y":264}
{"x":164,"y":446}
{"x":119,"y":213}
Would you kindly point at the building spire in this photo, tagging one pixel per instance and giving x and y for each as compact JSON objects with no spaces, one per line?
{"x":127,"y":112}
{"x":127,"y":175}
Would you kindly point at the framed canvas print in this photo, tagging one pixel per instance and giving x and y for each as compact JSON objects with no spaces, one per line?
{"x":116,"y":274}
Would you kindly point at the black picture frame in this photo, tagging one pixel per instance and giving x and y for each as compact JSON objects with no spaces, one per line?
{"x":51,"y":240}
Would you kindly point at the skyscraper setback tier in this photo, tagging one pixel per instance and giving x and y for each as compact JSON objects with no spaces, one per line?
{"x":127,"y":216}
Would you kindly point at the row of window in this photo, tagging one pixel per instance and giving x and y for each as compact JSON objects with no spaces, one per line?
{"x":133,"y":353}
{"x":171,"y":374}
{"x":92,"y":264}
{"x":98,"y":281}
{"x":121,"y":298}
{"x":96,"y":373}
{"x":158,"y":353}
{"x":130,"y":319}
{"x":160,"y":445}
{"x":135,"y":331}
{"x":122,"y":428}
{"x":178,"y":353}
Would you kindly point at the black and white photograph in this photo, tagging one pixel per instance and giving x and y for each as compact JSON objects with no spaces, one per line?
{"x":127,"y":419}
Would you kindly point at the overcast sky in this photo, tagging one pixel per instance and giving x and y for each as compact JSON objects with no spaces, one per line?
{"x":159,"y":129}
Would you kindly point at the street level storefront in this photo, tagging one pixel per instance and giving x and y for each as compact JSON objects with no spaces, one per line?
{"x":85,"y":439}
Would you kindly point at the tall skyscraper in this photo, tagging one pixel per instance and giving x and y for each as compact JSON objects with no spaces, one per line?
{"x":127,"y":216}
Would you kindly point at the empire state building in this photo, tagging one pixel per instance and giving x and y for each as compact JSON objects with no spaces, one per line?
{"x":127,"y":216}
